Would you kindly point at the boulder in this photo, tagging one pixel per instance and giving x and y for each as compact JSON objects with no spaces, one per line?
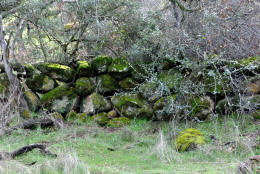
{"x":76,"y":117}
{"x":112,"y":114}
{"x":84,"y":86}
{"x":100,"y":64}
{"x":84,"y":69}
{"x":127,"y":83}
{"x":106,"y":84}
{"x":189,"y":139}
{"x":150,"y":90}
{"x":132,"y":105}
{"x":118,"y":122}
{"x":57,"y":71}
{"x":101,"y":118}
{"x":40,"y":83}
{"x":94,"y":103}
{"x":201,"y":107}
{"x":32,"y":100}
{"x":119,"y":68}
{"x":61,"y":99}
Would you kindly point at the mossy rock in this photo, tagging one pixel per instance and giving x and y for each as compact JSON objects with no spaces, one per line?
{"x":127,"y":83}
{"x":57,"y":71}
{"x":132,"y":105}
{"x":56,"y":116}
{"x":84,"y":69}
{"x":119,"y":68}
{"x":94,"y":103}
{"x":32,"y":100}
{"x":189,"y":139}
{"x":84,"y":86}
{"x":61,"y":99}
{"x":171,"y":78}
{"x":118,"y":122}
{"x":30,"y":70}
{"x":100,"y":64}
{"x":101,"y":118}
{"x":106,"y":84}
{"x":201,"y":107}
{"x":25,"y":113}
{"x":150,"y":90}
{"x":40,"y":83}
{"x":112,"y":114}
{"x":256,"y":115}
{"x":4,"y":84}
{"x":76,"y":117}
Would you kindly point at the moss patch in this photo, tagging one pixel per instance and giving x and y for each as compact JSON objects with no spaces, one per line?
{"x":132,"y":105}
{"x":57,"y":71}
{"x":118,"y":122}
{"x":188,"y":139}
{"x":101,"y":118}
{"x":106,"y":84}
{"x":119,"y":68}
{"x":57,"y":93}
{"x":100,"y":64}
{"x":32,"y":100}
{"x":84,"y":69}
{"x":84,"y":86}
{"x":40,"y":83}
{"x":127,"y":83}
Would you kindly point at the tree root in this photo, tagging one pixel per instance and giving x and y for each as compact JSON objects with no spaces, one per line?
{"x":25,"y":149}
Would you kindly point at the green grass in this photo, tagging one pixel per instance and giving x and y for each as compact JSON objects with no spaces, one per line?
{"x":141,"y":148}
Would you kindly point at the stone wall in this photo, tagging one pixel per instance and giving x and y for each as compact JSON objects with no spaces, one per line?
{"x":111,"y":90}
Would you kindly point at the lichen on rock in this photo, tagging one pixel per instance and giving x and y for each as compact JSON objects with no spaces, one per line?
{"x":94,"y":103}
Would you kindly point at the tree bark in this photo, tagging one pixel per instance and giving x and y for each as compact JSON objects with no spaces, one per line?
{"x":11,"y":77}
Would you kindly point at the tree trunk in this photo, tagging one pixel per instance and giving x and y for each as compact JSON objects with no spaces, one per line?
{"x":11,"y":77}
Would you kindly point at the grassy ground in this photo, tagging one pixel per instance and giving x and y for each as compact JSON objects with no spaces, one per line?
{"x":141,"y":148}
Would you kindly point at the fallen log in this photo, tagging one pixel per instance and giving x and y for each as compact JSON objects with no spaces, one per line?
{"x":25,"y":149}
